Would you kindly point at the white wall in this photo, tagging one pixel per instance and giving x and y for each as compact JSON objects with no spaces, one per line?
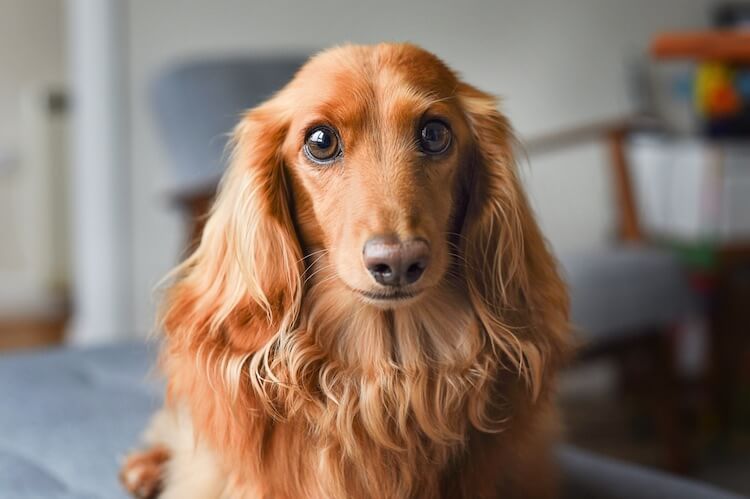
{"x":556,"y":63}
{"x":25,"y":59}
{"x":31,"y":63}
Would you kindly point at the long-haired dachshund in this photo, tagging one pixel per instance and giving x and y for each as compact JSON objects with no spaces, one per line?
{"x":372,"y":311}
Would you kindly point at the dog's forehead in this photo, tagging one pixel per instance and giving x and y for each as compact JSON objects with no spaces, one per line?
{"x":350,"y":80}
{"x":366,"y":64}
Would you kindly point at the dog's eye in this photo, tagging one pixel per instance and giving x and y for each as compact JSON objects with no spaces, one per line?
{"x":322,"y":145}
{"x":435,"y":137}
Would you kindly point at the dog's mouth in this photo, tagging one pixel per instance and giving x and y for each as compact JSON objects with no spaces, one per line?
{"x":388,"y":298}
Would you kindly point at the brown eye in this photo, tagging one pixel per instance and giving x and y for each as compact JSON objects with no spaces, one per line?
{"x":322,"y":145}
{"x":435,"y":137}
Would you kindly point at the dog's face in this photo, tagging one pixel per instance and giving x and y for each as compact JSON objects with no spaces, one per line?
{"x":375,"y":150}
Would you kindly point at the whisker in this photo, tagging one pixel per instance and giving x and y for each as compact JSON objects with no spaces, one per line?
{"x":435,"y":100}
{"x":311,"y":265}
{"x":310,"y":255}
{"x":317,"y":271}
{"x":461,"y":236}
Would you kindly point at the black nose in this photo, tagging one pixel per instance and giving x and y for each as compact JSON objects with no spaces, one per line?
{"x":395,"y":263}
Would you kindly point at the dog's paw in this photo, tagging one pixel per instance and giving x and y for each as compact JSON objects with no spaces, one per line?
{"x":143,"y":471}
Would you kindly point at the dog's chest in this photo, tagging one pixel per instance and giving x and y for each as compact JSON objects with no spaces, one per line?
{"x":332,"y":467}
{"x":367,"y":445}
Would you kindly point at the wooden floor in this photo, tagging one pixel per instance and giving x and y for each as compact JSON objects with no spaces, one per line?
{"x":19,"y":334}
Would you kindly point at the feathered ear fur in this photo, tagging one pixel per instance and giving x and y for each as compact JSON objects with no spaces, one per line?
{"x":241,"y":286}
{"x":512,"y":278}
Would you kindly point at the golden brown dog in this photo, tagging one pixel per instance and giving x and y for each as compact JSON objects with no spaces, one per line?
{"x":372,"y":311}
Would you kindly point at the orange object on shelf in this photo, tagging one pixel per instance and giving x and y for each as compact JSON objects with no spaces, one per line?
{"x":712,"y":45}
{"x":724,"y":102}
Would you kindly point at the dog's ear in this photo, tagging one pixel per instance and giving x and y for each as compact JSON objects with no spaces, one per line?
{"x":513,"y":280}
{"x":242,"y":284}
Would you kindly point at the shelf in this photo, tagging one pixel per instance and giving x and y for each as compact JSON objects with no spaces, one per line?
{"x":724,"y":46}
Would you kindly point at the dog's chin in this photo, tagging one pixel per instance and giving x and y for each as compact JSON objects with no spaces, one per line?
{"x":389,"y":299}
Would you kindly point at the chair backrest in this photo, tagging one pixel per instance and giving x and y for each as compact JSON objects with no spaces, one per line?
{"x":615,"y":133}
{"x":196,"y":105}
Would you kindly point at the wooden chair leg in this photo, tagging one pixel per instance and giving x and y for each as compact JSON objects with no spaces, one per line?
{"x":670,"y":419}
{"x":647,"y":374}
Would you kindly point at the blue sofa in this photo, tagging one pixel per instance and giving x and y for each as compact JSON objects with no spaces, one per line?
{"x":68,"y":416}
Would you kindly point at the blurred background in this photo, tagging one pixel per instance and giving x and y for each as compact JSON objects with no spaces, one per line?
{"x":635,"y":122}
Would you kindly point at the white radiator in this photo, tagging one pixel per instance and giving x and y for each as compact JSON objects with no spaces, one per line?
{"x":692,"y":190}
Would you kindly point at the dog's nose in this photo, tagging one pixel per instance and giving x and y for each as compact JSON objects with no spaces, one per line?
{"x":395,"y":263}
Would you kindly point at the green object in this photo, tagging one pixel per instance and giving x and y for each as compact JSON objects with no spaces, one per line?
{"x":696,"y":255}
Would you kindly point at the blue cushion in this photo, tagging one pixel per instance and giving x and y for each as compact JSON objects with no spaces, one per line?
{"x":68,"y":416}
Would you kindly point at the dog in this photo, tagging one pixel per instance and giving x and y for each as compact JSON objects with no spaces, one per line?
{"x":372,"y":310}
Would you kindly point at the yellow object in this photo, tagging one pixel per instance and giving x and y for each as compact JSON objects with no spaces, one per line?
{"x":715,"y":94}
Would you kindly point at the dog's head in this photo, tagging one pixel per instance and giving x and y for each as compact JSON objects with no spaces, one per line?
{"x":376,"y":146}
{"x":378,"y":171}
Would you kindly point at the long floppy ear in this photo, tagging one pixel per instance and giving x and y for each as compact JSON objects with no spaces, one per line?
{"x":242,"y":286}
{"x":512,"y":277}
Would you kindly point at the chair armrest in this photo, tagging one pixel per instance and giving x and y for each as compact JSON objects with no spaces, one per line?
{"x":588,"y":475}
